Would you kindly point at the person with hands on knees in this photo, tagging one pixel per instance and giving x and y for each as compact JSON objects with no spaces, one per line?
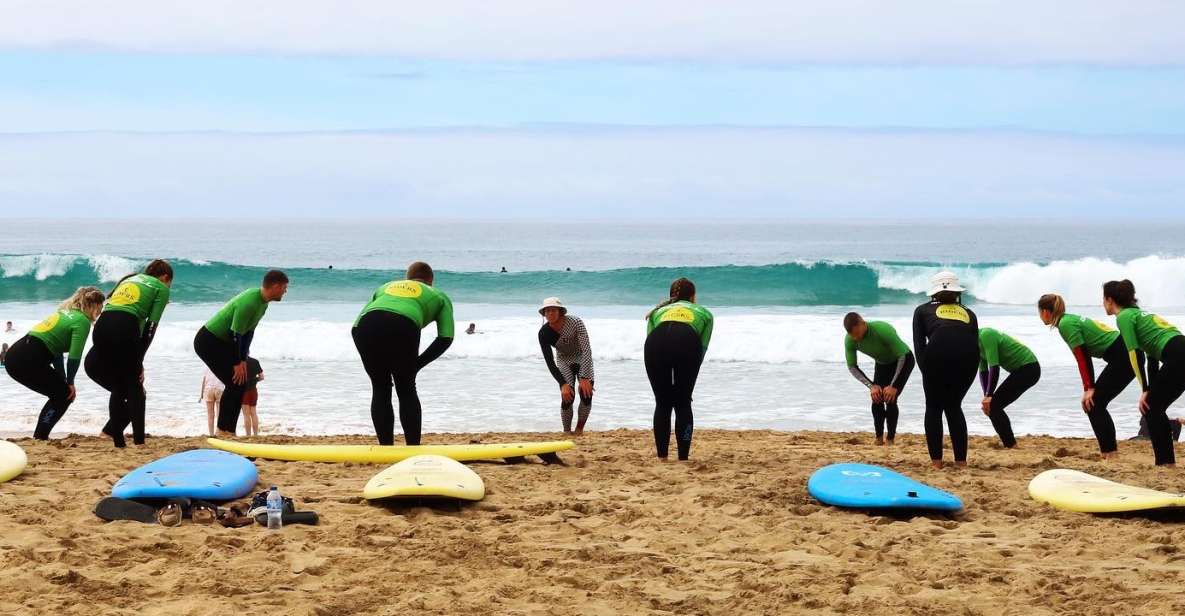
{"x":224,"y":344}
{"x":1164,"y":347}
{"x":387,"y":336}
{"x":894,"y":363}
{"x":35,"y":360}
{"x":999,"y":350}
{"x":572,"y":364}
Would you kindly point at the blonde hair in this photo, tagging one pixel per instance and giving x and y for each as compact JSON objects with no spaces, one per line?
{"x":85,"y":299}
{"x":1054,"y":304}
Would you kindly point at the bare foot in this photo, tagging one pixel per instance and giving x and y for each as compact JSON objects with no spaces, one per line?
{"x":578,"y":433}
{"x":962,"y":464}
{"x":224,"y":434}
{"x":889,"y":442}
{"x":1110,"y":455}
{"x":880,"y":441}
{"x":937,"y":464}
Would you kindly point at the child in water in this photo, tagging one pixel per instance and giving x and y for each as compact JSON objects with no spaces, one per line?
{"x":251,"y":397}
{"x":211,"y":394}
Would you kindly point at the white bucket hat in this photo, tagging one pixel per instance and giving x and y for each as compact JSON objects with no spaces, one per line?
{"x":553,"y":302}
{"x":944,"y":281}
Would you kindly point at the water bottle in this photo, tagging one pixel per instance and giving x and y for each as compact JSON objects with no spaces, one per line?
{"x":275,"y":507}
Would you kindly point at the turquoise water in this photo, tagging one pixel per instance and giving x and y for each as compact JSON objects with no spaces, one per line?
{"x":779,"y":291}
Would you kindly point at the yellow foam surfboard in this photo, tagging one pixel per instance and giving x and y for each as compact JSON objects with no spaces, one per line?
{"x":386,"y":454}
{"x":12,"y":460}
{"x":1077,"y":491}
{"x":426,"y":476}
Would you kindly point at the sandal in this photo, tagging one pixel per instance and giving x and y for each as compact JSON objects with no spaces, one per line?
{"x":235,"y":517}
{"x":111,"y":509}
{"x":203,"y":513}
{"x":170,"y":515}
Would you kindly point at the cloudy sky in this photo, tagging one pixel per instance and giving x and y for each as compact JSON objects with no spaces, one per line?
{"x":610,"y":109}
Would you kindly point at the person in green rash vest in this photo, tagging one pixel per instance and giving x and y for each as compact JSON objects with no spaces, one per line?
{"x":999,"y":350}
{"x":35,"y":360}
{"x":122,"y":336}
{"x":387,"y":336}
{"x":678,"y":331}
{"x":1164,"y":347}
{"x":224,"y":343}
{"x":894,"y":363}
{"x":1087,"y":339}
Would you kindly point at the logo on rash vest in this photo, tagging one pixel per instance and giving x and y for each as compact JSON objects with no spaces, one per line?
{"x":952,"y":312}
{"x":407,"y":288}
{"x":1161,"y":323}
{"x":1102,"y":326}
{"x":125,"y":294}
{"x":48,"y":324}
{"x":678,"y":315}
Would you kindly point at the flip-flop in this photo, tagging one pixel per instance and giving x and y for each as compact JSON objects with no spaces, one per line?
{"x":112,"y":509}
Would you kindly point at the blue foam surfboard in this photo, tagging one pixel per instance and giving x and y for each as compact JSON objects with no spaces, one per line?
{"x":207,"y":474}
{"x":864,"y":486}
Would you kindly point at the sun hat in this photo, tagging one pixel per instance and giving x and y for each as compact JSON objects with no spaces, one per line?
{"x":944,"y":281}
{"x":553,"y":302}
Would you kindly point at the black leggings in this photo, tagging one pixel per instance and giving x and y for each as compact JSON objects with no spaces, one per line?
{"x":1114,"y":378}
{"x":1017,"y":383}
{"x":389,"y":345}
{"x":221,"y":357}
{"x":887,"y":411}
{"x":673,"y":355}
{"x":948,"y":371}
{"x":115,"y":362}
{"x":1168,"y":385}
{"x":30,"y":363}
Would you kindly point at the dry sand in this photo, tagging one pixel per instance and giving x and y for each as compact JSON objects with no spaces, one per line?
{"x":614,"y":532}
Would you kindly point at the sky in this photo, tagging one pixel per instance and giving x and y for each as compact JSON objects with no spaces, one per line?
{"x":909,"y":109}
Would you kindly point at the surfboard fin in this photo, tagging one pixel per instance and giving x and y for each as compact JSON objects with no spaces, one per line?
{"x":551,"y":458}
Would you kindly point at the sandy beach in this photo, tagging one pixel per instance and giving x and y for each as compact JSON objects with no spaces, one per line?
{"x":731,"y":532}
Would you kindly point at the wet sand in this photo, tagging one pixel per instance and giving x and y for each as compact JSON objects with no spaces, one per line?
{"x":733,"y":531}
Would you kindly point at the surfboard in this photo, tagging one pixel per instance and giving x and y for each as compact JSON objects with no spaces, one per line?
{"x":386,"y":454}
{"x":1077,"y":491}
{"x":864,"y":486}
{"x":12,"y":460}
{"x":426,"y":476}
{"x":201,"y":473}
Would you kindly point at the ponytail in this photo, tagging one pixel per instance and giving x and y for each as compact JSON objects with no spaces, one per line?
{"x":1122,"y":292}
{"x":682,"y":290}
{"x":157,"y":268}
{"x":1054,"y":304}
{"x":85,"y":299}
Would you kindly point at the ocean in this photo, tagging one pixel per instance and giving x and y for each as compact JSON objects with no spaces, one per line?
{"x":778,"y":289}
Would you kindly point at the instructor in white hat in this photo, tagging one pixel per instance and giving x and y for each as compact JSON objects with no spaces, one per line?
{"x":946,"y":345}
{"x":571,"y":362}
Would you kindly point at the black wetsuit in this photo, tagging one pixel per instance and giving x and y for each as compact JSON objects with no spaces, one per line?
{"x":115,"y":362}
{"x":30,"y":363}
{"x":887,"y":412}
{"x":1166,"y":384}
{"x":946,"y":345}
{"x":389,"y":345}
{"x":673,"y":355}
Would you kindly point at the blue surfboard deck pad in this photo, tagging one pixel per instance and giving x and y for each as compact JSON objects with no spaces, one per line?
{"x":207,"y":474}
{"x":864,"y":486}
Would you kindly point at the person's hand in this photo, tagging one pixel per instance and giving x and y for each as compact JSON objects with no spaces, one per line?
{"x":877,"y":394}
{"x":889,"y":394}
{"x":260,"y":377}
{"x":1144,"y":403}
{"x":240,"y":375}
{"x":566,"y":392}
{"x":1088,"y":400}
{"x":586,"y":388}
{"x":987,"y":405}
{"x":141,"y":376}
{"x":70,"y":396}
